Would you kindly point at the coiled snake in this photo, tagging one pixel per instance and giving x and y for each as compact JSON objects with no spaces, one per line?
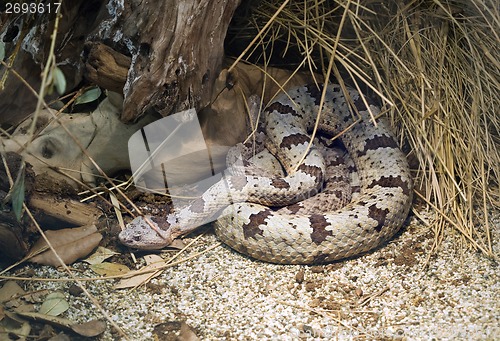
{"x":255,"y":227}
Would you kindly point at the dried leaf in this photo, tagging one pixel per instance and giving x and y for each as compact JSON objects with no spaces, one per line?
{"x":109,"y":269}
{"x":177,"y":244}
{"x":13,"y":296}
{"x":9,"y":290}
{"x":37,"y":296}
{"x":23,"y":307}
{"x":90,"y":329}
{"x":70,"y":244}
{"x":100,"y":255}
{"x":116,"y":206}
{"x":154,"y":262}
{"x":59,"y":322}
{"x":14,"y":325}
{"x":54,"y":304}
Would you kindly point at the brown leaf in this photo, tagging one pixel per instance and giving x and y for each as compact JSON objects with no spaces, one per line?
{"x":142,"y":277}
{"x":100,"y":255}
{"x":13,"y":325}
{"x":59,"y":322}
{"x":90,"y":329}
{"x":177,"y":244}
{"x":9,"y":290}
{"x":70,"y":244}
{"x":109,"y":269}
{"x":13,"y":296}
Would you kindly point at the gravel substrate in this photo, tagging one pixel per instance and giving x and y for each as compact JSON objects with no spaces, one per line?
{"x":394,"y":293}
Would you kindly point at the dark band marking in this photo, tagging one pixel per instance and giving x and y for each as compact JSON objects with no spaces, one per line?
{"x":252,"y":229}
{"x":294,"y":140}
{"x":319,"y":224}
{"x":282,"y":109}
{"x":391,"y":181}
{"x":294,"y":208}
{"x":378,"y":142}
{"x":379,"y":215}
{"x":315,"y":92}
{"x":280,"y":183}
{"x":312,"y":170}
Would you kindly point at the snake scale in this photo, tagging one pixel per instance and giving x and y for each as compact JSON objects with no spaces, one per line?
{"x":254,"y":226}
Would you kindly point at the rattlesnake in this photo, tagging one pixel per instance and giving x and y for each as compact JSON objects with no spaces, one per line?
{"x":254,"y":228}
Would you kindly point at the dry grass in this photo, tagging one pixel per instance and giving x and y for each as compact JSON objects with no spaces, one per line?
{"x":433,"y":63}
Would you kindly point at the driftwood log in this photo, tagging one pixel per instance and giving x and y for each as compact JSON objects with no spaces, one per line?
{"x":175,"y":48}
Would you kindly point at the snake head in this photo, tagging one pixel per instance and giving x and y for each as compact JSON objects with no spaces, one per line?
{"x":146,"y":233}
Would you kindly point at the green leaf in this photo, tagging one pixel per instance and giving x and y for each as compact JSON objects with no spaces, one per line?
{"x":2,"y":50}
{"x":54,"y":304}
{"x":89,"y":96}
{"x":59,"y":80}
{"x":17,"y":194}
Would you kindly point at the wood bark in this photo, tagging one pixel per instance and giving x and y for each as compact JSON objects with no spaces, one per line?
{"x":69,"y":211}
{"x":179,"y":55}
{"x":106,"y":67}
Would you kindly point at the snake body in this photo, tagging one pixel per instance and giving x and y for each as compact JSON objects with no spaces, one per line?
{"x":254,"y":226}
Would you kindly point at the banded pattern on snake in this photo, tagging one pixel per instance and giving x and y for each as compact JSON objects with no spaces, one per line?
{"x":253,"y":225}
